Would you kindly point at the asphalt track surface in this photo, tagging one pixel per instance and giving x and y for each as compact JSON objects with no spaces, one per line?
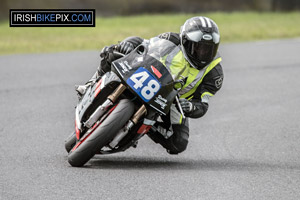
{"x":246,"y":147}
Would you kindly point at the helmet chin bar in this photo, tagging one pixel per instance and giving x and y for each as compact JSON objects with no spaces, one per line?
{"x":199,"y":64}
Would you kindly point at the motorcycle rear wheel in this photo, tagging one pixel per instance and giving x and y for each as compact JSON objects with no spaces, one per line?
{"x":70,"y":142}
{"x":102,"y":135}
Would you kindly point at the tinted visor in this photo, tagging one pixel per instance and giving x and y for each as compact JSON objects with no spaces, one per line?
{"x":199,"y":50}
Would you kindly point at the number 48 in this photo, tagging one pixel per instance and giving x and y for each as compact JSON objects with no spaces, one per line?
{"x":149,"y":90}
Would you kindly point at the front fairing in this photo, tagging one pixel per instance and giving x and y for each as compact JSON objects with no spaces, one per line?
{"x":152,"y":57}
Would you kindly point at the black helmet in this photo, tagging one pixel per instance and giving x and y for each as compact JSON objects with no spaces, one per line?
{"x":200,"y":40}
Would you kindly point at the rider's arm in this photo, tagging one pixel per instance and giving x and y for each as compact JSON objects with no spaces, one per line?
{"x":134,"y":40}
{"x":107,"y":58}
{"x":212,"y":83}
{"x":129,"y":44}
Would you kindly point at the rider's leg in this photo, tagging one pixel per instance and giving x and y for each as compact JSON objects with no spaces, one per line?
{"x":177,"y":142}
{"x":101,"y":70}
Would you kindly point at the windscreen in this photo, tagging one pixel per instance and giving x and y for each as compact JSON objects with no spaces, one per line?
{"x":170,"y":56}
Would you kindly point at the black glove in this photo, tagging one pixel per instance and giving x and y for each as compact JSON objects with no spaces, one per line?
{"x":186,"y":105}
{"x":125,"y":47}
{"x":106,"y":50}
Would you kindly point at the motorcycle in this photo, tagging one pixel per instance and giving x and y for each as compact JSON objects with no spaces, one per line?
{"x":125,"y":103}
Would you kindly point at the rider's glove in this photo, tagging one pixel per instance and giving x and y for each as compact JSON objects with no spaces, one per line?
{"x":125,"y":47}
{"x":106,"y":50}
{"x":186,"y":105}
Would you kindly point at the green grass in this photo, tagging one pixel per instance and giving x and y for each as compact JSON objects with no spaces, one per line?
{"x":234,"y":27}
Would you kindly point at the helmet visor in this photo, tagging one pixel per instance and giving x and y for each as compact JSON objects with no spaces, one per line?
{"x":200,"y":50}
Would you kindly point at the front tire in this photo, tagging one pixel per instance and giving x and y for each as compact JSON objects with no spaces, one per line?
{"x":102,"y":135}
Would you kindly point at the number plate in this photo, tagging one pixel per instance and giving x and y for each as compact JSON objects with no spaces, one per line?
{"x":144,"y":84}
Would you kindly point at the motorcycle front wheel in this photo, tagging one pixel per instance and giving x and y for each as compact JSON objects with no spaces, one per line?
{"x":102,"y":135}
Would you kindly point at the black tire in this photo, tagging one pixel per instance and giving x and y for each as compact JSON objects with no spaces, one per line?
{"x":70,"y":142}
{"x":103,"y":134}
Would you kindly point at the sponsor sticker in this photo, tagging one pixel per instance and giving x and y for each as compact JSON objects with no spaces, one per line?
{"x":207,"y":37}
{"x":156,"y":72}
{"x":125,"y":67}
{"x":161,"y":101}
{"x":165,"y":36}
{"x":218,"y":82}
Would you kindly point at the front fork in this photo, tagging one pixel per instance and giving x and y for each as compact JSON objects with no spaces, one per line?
{"x":103,"y":108}
{"x":99,"y":111}
{"x":111,"y":99}
{"x":123,"y":132}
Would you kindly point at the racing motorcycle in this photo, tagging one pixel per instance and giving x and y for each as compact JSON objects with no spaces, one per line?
{"x":125,"y":103}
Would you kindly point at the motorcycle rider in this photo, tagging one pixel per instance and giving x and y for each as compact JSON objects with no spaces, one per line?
{"x":198,"y":40}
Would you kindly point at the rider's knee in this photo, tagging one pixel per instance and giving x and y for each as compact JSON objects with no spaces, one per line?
{"x":178,"y":148}
{"x":179,"y":142}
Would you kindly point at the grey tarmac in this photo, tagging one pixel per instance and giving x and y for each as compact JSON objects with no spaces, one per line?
{"x":246,"y":147}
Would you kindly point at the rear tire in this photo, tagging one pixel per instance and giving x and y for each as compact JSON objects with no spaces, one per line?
{"x":103,"y":134}
{"x":70,"y":142}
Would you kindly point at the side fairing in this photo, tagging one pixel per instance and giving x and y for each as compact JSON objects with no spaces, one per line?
{"x":95,"y":94}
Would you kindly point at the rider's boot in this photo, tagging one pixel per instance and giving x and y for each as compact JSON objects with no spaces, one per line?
{"x":174,"y":140}
{"x":104,"y":67}
{"x":81,"y":89}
